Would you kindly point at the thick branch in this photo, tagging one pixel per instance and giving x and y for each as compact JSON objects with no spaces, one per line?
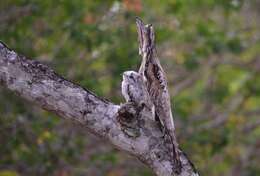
{"x":41,"y":85}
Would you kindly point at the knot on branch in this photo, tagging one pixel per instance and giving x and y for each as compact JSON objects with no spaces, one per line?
{"x":128,"y":117}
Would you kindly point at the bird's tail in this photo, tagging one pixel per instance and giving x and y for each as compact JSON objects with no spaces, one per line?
{"x":173,"y":147}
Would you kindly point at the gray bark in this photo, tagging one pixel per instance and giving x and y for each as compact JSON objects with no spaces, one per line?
{"x":39,"y":84}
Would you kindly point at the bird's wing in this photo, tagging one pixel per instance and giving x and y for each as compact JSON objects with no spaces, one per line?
{"x":157,"y":87}
{"x":153,"y":73}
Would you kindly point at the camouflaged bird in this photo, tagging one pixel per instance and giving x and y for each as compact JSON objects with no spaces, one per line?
{"x":156,"y":83}
{"x":138,"y":104}
{"x":134,"y":90}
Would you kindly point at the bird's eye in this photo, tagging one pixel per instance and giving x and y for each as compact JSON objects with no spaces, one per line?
{"x":131,"y":76}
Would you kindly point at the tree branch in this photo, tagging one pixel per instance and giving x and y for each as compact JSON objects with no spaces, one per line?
{"x":39,"y":84}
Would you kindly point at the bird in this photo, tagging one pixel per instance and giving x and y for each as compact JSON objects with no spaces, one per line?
{"x":133,"y":87}
{"x":138,"y":104}
{"x":156,"y":83}
{"x":134,"y":90}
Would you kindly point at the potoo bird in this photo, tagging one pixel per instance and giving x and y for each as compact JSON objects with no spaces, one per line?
{"x":131,"y":85}
{"x":134,"y":90}
{"x":156,"y":83}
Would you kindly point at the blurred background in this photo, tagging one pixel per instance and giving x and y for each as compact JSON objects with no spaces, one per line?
{"x":209,"y":49}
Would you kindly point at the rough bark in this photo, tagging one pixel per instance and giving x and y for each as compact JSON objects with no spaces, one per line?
{"x":39,"y":84}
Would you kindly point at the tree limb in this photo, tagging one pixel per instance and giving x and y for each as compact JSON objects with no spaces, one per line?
{"x":39,"y":84}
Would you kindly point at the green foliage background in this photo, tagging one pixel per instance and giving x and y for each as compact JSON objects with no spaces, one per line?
{"x":211,"y":53}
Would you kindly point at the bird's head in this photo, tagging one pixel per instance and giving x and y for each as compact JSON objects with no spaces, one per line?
{"x":132,"y":77}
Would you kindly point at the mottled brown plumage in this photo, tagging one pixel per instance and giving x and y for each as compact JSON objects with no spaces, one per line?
{"x":156,"y":83}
